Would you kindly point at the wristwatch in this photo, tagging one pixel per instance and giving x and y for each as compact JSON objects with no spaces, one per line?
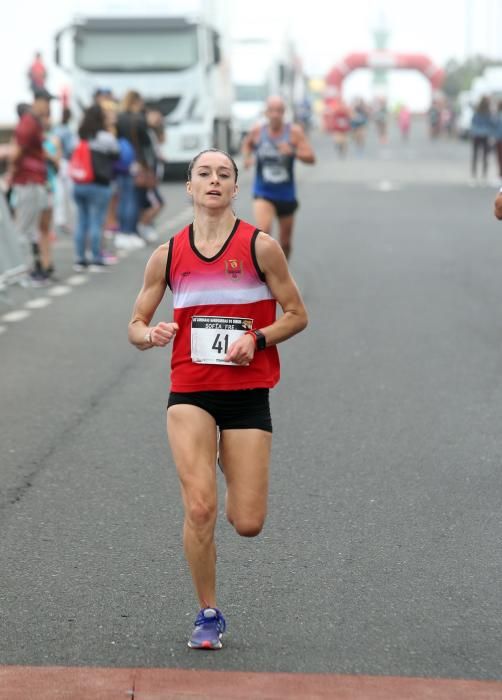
{"x":261,"y":341}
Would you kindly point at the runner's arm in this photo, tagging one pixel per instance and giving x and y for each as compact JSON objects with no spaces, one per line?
{"x":301,"y":144}
{"x":498,"y":206}
{"x":149,"y":298}
{"x":274,"y":266}
{"x":248,"y":146}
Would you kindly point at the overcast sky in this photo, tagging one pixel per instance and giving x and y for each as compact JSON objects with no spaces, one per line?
{"x":324,"y":31}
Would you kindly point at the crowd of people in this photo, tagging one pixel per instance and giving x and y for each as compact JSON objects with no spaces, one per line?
{"x":98,"y":183}
{"x":351,"y":120}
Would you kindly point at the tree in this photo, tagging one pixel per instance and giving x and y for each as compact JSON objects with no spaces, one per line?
{"x":459,"y":76}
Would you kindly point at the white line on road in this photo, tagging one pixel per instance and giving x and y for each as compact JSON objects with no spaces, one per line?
{"x":77,"y":280}
{"x":15,"y":316}
{"x":38,"y":303}
{"x":59,"y":291}
{"x":385,"y":186}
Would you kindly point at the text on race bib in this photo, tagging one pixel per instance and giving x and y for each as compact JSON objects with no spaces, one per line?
{"x":213,"y":335}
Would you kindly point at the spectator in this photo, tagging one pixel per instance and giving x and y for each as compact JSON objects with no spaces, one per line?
{"x":153,"y":201}
{"x":28,"y":175}
{"x":52,"y":149}
{"x":482,"y":125}
{"x":497,"y":134}
{"x":37,"y":73}
{"x":92,"y":198}
{"x":63,"y":198}
{"x":132,"y":127}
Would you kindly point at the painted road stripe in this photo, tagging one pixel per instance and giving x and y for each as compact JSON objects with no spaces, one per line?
{"x":59,"y":291}
{"x":77,"y":280}
{"x":38,"y":303}
{"x":385,"y":186}
{"x":47,"y":683}
{"x":15,"y":316}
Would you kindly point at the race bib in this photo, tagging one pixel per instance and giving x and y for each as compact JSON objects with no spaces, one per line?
{"x":275,"y":173}
{"x":213,"y":335}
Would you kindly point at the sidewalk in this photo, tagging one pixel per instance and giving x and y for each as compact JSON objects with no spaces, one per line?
{"x":27,"y":682}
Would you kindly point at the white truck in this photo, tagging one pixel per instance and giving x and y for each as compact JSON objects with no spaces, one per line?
{"x":176,"y":62}
{"x":260,"y":68}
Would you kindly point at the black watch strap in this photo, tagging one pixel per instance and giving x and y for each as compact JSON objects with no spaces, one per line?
{"x":261,"y":341}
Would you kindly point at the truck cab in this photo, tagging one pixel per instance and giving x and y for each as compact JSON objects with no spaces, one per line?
{"x":176,"y":63}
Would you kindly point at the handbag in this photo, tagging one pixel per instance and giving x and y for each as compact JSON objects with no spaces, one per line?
{"x":145,"y":177}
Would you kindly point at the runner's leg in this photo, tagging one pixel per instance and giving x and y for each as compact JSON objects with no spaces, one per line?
{"x":264,"y":215}
{"x":286,"y":233}
{"x":192,"y":437}
{"x":245,"y":457}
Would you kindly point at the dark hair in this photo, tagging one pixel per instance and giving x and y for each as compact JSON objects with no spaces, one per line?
{"x":22,"y":108}
{"x":66,"y":115}
{"x":211,"y":150}
{"x":92,"y":122}
{"x":484,"y":106}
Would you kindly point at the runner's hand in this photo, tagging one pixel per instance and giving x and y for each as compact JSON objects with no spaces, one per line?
{"x":163,"y":333}
{"x":285,"y":149}
{"x":241,"y":351}
{"x":248,"y":161}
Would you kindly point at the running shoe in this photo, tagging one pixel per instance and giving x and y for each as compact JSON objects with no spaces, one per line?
{"x":209,"y":627}
{"x":38,"y":279}
{"x":80,"y":266}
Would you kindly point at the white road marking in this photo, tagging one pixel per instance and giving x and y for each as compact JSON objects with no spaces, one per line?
{"x":15,"y":316}
{"x":77,"y":280}
{"x":386,"y":186}
{"x":59,"y":291}
{"x":38,"y":303}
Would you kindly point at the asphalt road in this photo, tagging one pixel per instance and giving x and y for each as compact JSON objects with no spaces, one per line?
{"x":381,"y":553}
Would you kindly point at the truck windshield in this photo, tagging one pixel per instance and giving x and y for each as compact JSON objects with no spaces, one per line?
{"x":251,"y":93}
{"x":135,"y":51}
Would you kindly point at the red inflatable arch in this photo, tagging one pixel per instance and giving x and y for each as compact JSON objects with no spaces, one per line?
{"x":375,"y":59}
{"x":389,"y":60}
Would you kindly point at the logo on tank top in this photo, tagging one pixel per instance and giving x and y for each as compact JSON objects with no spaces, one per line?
{"x":234,"y":268}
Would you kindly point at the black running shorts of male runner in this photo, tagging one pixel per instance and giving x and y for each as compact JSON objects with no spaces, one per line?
{"x":282,"y":207}
{"x":232,"y":410}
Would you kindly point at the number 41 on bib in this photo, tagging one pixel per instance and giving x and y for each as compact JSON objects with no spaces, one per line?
{"x":213,"y":335}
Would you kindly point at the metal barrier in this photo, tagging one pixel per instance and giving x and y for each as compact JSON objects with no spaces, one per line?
{"x":12,"y":259}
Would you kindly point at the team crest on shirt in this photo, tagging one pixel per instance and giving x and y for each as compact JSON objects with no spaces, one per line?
{"x":234,"y":268}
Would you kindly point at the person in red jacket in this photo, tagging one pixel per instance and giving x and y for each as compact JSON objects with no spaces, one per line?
{"x":226,"y":277}
{"x":28,"y":176}
{"x":37,"y":73}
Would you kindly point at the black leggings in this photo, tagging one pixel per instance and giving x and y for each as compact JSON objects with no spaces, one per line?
{"x":480,"y":143}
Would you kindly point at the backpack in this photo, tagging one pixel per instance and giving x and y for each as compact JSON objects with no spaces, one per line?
{"x":81,"y":170}
{"x":127,"y":156}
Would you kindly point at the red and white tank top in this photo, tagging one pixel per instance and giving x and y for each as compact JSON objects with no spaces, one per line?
{"x":215,"y":300}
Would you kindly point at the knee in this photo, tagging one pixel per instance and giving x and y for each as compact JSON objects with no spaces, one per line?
{"x":200,"y":514}
{"x":249,"y":527}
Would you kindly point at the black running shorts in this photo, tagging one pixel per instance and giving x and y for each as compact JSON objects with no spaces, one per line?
{"x":232,"y":410}
{"x":282,"y":207}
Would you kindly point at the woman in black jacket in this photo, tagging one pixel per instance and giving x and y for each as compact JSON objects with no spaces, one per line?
{"x":92,"y":198}
{"x":132,"y":126}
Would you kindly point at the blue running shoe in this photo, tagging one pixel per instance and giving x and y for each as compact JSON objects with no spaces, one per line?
{"x":209,"y":627}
